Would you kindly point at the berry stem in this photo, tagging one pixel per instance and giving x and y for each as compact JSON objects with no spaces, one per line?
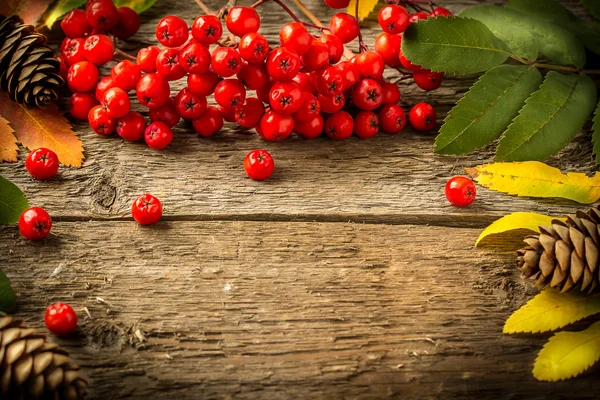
{"x":121,"y":53}
{"x":321,"y":28}
{"x":361,"y":45}
{"x":203,"y":7}
{"x":286,"y":8}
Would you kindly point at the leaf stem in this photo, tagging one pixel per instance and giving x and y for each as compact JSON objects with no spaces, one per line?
{"x":554,"y":67}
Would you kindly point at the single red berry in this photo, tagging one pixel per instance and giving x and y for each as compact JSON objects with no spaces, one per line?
{"x":80,"y":105}
{"x":172,"y":31}
{"x":189,"y":105}
{"x":253,"y":76}
{"x":128,"y":25}
{"x":406,"y":63}
{"x":317,"y":56}
{"x":275,"y":126}
{"x":209,"y":122}
{"x":146,"y":209}
{"x":125,"y":75}
{"x":100,"y":122}
{"x":242,"y":20}
{"x":83,"y":76}
{"x":75,"y":25}
{"x":339,"y":126}
{"x":330,"y":81}
{"x":226,"y":61}
{"x":367,"y":94}
{"x":295,"y":37}
{"x":335,"y":46}
{"x":392,"y":118}
{"x":428,"y":80}
{"x":336,"y":4}
{"x":310,"y":129}
{"x":331,"y":104}
{"x":285,"y":97}
{"x":306,"y":82}
{"x":60,"y":319}
{"x":146,"y":58}
{"x":344,"y":26}
{"x":418,"y":16}
{"x":42,"y":164}
{"x":309,"y":108}
{"x":390,"y":93}
{"x":370,"y":64}
{"x":259,"y":165}
{"x":167,"y":64}
{"x":441,"y":12}
{"x":388,"y":47}
{"x":153,"y":90}
{"x":98,"y":49}
{"x":207,"y":29}
{"x":166,"y":113}
{"x":393,"y":19}
{"x":350,"y":72}
{"x":248,"y":115}
{"x":102,"y":15}
{"x":35,"y":223}
{"x":422,"y":117}
{"x":203,"y":84}
{"x":116,"y":102}
{"x":227,"y":113}
{"x":195,"y":58}
{"x":254,"y":48}
{"x":283,"y":64}
{"x":230,"y":93}
{"x":460,"y":191}
{"x":103,"y":85}
{"x":366,"y":124}
{"x":74,"y":51}
{"x":158,"y":135}
{"x":131,"y":127}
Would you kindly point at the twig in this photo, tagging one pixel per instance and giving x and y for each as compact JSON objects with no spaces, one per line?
{"x":203,"y":7}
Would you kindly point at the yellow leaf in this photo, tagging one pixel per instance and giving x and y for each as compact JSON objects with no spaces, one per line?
{"x":8,"y":142}
{"x":365,"y":8}
{"x":60,"y":8}
{"x":536,"y":179}
{"x":568,"y":354}
{"x":516,"y":221}
{"x":551,"y":310}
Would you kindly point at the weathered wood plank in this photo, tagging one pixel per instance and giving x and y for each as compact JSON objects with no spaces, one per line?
{"x":283,"y":310}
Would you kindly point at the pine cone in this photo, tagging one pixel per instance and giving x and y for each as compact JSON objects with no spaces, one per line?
{"x":30,"y":368}
{"x":28,"y":68}
{"x":564,"y":255}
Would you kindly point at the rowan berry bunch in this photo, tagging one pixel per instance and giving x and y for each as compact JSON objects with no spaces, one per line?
{"x":302,"y":85}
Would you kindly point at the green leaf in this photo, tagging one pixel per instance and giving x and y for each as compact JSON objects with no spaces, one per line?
{"x":487,"y":108}
{"x":517,"y":37}
{"x":516,"y":221}
{"x":12,"y":202}
{"x":568,"y":354}
{"x":552,"y":11}
{"x":7,"y":295}
{"x":557,"y":44}
{"x":550,"y":119}
{"x":551,"y":310}
{"x":593,"y":6}
{"x":60,"y":8}
{"x":596,"y":133}
{"x":138,"y":6}
{"x":455,"y":45}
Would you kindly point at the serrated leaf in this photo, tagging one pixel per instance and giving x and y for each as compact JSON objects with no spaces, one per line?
{"x":454,"y":45}
{"x":487,"y":108}
{"x":29,"y":10}
{"x":552,"y":11}
{"x":138,"y":6}
{"x":596,"y":133}
{"x":550,"y":119}
{"x":7,"y":294}
{"x":516,"y":221}
{"x":365,"y":8}
{"x":593,"y":6}
{"x":60,"y":8}
{"x":536,"y":179}
{"x":48,"y":128}
{"x":518,"y":38}
{"x":568,"y":354}
{"x":551,"y":310}
{"x":556,"y":43}
{"x":8,"y":142}
{"x":12,"y":202}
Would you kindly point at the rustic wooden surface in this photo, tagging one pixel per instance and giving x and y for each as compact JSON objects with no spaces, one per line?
{"x":346,"y":275}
